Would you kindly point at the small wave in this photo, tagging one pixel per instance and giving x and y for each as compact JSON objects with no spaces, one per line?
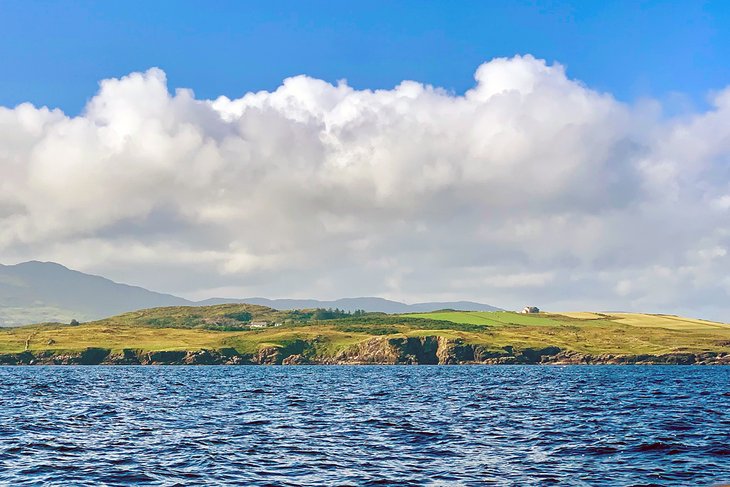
{"x":365,"y":426}
{"x":659,"y":446}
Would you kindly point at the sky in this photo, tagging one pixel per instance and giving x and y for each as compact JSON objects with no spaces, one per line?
{"x":558,"y":154}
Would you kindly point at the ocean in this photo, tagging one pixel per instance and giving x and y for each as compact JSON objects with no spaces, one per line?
{"x":365,"y":425}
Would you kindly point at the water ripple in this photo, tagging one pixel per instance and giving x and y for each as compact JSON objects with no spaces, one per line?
{"x":379,"y":426}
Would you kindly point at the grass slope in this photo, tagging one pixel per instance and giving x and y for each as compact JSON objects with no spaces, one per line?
{"x":226,"y":326}
{"x":596,"y":333}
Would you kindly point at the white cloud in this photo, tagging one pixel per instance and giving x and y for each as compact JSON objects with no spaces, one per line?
{"x":530,"y":187}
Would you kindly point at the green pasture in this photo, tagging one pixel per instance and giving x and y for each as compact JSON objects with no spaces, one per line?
{"x":225,"y":326}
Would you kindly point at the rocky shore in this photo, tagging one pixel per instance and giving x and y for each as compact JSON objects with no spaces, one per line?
{"x":428,"y":350}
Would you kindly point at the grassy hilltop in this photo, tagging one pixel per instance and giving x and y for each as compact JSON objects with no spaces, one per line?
{"x":240,"y":333}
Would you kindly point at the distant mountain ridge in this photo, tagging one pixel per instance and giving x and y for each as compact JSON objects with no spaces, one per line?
{"x":33,"y":292}
{"x":45,"y":291}
{"x":351,"y":304}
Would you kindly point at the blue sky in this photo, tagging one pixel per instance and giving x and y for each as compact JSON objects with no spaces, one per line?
{"x":531,"y":189}
{"x":54,"y":53}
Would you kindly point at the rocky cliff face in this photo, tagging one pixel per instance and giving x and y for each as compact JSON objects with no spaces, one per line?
{"x":427,"y":350}
{"x":437,"y":350}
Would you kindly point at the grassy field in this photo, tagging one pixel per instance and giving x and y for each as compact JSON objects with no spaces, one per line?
{"x":489,"y":318}
{"x":667,"y":321}
{"x":595,"y":333}
{"x":227,"y":326}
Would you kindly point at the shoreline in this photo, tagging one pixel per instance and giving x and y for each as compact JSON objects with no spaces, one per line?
{"x":273,"y":356}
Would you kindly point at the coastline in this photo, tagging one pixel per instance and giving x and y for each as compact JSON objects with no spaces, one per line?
{"x":229,"y":357}
{"x":210,"y":336}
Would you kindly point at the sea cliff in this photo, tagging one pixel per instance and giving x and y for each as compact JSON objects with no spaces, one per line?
{"x":427,"y":350}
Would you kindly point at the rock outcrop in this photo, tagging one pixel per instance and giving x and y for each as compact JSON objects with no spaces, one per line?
{"x":295,"y":359}
{"x":425,"y":350}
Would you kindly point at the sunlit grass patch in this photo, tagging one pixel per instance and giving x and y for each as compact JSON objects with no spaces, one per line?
{"x":666,"y":321}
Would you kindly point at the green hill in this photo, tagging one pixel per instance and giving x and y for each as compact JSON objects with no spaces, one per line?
{"x":241,"y":333}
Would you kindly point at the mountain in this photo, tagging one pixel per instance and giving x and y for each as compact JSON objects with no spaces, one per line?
{"x":45,"y":291}
{"x":34,"y":292}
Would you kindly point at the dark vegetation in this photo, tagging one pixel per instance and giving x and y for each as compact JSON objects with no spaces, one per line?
{"x":243,"y":316}
{"x":320,"y":314}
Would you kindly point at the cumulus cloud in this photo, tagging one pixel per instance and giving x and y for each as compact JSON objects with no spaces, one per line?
{"x":529,"y":188}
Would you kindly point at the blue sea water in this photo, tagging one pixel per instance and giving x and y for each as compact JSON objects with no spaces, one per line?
{"x":365,"y":425}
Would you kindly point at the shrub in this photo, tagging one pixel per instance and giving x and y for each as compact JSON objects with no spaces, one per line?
{"x":243,"y":316}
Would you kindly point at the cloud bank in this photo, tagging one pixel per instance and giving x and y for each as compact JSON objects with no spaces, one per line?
{"x":531,"y":188}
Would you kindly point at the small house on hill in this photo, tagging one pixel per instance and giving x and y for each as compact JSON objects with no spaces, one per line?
{"x":530,"y":309}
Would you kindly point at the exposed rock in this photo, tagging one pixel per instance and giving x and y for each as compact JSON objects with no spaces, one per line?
{"x":230,"y":356}
{"x":237,"y":360}
{"x":90,"y":356}
{"x":125,"y":357}
{"x":377,"y":350}
{"x":373,"y":351}
{"x":24,"y":358}
{"x":569,"y":357}
{"x":202,"y":357}
{"x":268,"y":356}
{"x":163,"y":358}
{"x":677,"y":359}
{"x":452,"y":352}
{"x":415,"y":350}
{"x":383,"y":350}
{"x":296,"y":359}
